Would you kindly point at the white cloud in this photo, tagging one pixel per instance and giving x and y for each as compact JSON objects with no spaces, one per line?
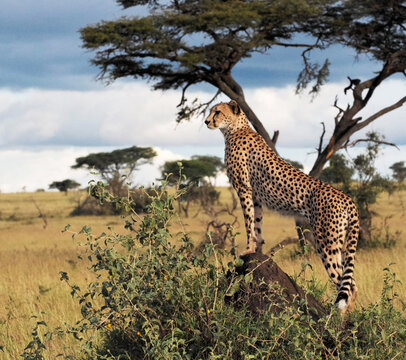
{"x":130,"y":113}
{"x":43,"y":131}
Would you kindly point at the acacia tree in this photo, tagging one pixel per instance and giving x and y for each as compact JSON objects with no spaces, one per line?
{"x":184,"y":43}
{"x":398,"y":171}
{"x":112,"y":165}
{"x":338,"y":171}
{"x":198,"y":169}
{"x":64,"y":185}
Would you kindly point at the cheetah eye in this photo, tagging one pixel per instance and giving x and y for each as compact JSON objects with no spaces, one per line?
{"x":217,"y":112}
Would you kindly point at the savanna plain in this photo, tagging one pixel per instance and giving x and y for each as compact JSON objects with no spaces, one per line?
{"x":33,"y":250}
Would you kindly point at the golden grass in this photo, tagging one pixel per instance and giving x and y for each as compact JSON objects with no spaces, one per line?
{"x":31,"y":258}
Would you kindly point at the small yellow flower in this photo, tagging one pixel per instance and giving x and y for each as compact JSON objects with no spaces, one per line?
{"x":165,"y":278}
{"x":138,"y":333}
{"x":208,"y":311}
{"x":109,"y":326}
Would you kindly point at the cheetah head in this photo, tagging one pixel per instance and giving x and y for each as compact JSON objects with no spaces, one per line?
{"x":224,"y":115}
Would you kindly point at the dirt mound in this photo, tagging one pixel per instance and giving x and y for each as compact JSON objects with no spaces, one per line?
{"x":258,"y":295}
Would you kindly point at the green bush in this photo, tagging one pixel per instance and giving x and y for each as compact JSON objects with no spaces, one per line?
{"x":154,"y":298}
{"x":101,"y":202}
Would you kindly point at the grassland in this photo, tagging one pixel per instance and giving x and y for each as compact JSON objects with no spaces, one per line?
{"x":33,"y":250}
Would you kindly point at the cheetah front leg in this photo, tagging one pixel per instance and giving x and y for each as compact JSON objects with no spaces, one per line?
{"x":247,"y":205}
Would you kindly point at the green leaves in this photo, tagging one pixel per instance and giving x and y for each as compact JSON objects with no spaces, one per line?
{"x":109,"y":163}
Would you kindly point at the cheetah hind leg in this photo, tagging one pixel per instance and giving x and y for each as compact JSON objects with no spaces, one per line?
{"x":352,"y":298}
{"x":258,"y":226}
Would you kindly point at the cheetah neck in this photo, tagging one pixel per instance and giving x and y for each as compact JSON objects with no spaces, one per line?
{"x":241,"y":123}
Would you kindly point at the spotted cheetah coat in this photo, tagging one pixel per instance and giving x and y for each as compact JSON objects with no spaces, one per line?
{"x":261,"y":177}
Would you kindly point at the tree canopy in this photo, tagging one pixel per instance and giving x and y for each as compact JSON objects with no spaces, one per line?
{"x":338,"y":171}
{"x":183,"y":43}
{"x":64,"y":185}
{"x":109,"y":164}
{"x":398,"y":171}
{"x":194,"y":170}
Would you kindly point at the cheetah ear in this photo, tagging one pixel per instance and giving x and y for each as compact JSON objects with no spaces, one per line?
{"x":235,"y":107}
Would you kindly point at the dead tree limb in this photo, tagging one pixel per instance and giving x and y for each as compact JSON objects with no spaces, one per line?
{"x":353,"y":143}
{"x":346,"y":122}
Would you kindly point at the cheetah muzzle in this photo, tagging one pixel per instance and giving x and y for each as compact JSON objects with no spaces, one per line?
{"x":261,"y":177}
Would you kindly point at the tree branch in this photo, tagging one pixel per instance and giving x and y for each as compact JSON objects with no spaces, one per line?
{"x":309,"y":46}
{"x":378,"y":114}
{"x":321,"y":138}
{"x":275,"y":136}
{"x":376,"y":141}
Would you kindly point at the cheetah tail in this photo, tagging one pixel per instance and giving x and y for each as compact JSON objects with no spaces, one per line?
{"x":347,"y":290}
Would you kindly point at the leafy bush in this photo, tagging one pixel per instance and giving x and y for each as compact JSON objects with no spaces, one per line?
{"x":154,"y":298}
{"x":94,"y":205}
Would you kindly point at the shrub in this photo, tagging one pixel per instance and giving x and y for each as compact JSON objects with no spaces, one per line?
{"x":94,"y":205}
{"x":154,"y":298}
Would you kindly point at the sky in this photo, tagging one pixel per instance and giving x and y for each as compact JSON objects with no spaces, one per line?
{"x":53,"y":110}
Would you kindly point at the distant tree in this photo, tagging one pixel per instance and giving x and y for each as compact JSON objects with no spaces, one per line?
{"x":338,"y":171}
{"x":112,"y":166}
{"x":398,"y":171}
{"x":64,"y":185}
{"x":197,"y":170}
{"x":194,"y":176}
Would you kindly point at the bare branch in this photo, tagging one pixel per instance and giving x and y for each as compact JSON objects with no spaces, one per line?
{"x":320,"y":147}
{"x":380,"y":113}
{"x":376,"y":141}
{"x":353,"y":82}
{"x":275,"y":136}
{"x":340,"y":112}
{"x":309,"y":46}
{"x":187,"y":112}
{"x":41,"y":215}
{"x":183,"y":97}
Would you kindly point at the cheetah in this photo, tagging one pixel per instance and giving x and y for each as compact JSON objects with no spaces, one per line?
{"x":261,"y":177}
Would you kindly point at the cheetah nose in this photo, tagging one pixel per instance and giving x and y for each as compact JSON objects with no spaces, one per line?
{"x":207,"y":122}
